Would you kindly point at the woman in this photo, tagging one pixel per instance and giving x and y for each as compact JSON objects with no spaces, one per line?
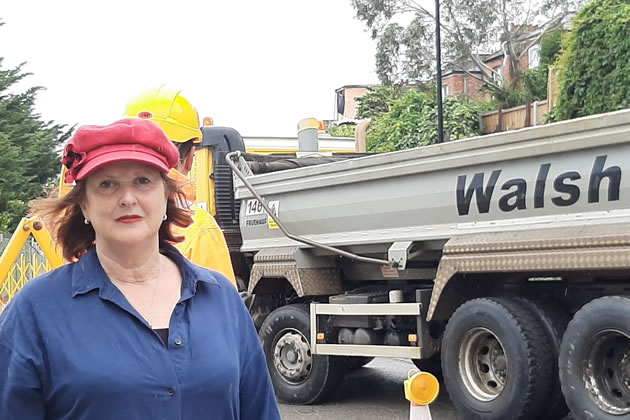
{"x":131,"y":329}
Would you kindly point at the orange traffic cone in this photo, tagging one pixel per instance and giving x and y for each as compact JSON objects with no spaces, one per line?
{"x":421,"y":389}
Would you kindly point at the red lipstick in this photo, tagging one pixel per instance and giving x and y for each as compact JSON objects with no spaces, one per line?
{"x":131,"y":218}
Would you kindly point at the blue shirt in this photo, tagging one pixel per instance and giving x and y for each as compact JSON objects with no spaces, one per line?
{"x":73,"y":348}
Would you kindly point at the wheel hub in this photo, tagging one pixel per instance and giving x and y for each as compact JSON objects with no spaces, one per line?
{"x":607,"y":371}
{"x":292,"y":356}
{"x":482,"y":364}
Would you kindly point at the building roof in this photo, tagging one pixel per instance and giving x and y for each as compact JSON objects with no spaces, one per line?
{"x":356,"y":86}
{"x":493,"y":56}
{"x":452,"y":68}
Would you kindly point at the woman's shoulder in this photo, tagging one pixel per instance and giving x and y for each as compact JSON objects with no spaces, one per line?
{"x":217,"y":284}
{"x":215,"y":277}
{"x":39,"y":299}
{"x":47,"y":286}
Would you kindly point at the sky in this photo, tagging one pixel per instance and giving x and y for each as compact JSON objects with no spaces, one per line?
{"x":257,"y":66}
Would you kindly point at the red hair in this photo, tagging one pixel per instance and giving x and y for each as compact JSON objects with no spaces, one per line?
{"x":65,"y":221}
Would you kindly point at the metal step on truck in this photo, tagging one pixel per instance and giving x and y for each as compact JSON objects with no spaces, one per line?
{"x":503,"y":258}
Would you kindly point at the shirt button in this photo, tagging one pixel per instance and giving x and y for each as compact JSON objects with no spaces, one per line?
{"x":178,"y":342}
{"x":171,"y":391}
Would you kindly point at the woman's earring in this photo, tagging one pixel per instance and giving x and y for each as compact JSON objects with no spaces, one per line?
{"x":86,"y":221}
{"x":165,"y":216}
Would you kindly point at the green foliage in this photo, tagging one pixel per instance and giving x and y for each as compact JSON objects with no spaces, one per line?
{"x":345,"y":130}
{"x":551,"y":47}
{"x":508,"y":95}
{"x":377,"y":101}
{"x":532,"y":84}
{"x":461,"y":117}
{"x":550,"y":116}
{"x":29,"y":148}
{"x":400,"y":127}
{"x":412,"y":122}
{"x":594,"y":68}
{"x":535,"y":83}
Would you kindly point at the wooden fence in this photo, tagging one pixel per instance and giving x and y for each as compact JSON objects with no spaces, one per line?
{"x":513,"y":118}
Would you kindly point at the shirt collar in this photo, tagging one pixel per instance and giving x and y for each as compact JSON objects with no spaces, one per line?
{"x":89,"y":274}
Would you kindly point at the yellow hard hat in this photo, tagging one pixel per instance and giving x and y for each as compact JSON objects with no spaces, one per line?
{"x":168,"y":109}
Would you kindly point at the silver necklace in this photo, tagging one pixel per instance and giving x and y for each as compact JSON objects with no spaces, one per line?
{"x":157,"y":279}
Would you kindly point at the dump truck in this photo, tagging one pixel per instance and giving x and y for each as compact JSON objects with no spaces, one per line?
{"x":502,"y":261}
{"x":503,"y":258}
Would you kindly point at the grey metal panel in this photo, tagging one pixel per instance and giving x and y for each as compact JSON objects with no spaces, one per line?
{"x":367,"y":309}
{"x":307,"y":274}
{"x":317,"y":309}
{"x":399,"y":252}
{"x":566,"y":136}
{"x":564,"y":249}
{"x":556,"y":239}
{"x":313,"y":325}
{"x":411,"y":195}
{"x":369,"y":351}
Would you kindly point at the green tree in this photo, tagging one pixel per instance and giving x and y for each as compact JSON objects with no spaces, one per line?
{"x":594,"y":68}
{"x":412,"y":122}
{"x":534,"y":81}
{"x":551,"y":47}
{"x":29,"y":148}
{"x":377,"y":101}
{"x":343,"y":130}
{"x":469,"y":27}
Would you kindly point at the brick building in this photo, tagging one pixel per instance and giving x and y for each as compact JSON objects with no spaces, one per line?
{"x":458,"y":82}
{"x":455,"y":81}
{"x":346,"y":101}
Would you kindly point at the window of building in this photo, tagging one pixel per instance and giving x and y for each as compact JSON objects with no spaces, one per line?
{"x":341,"y":101}
{"x":444,"y":91}
{"x":533,"y":55}
{"x":497,"y":74}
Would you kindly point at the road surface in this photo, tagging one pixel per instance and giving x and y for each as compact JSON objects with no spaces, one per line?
{"x":374,"y":392}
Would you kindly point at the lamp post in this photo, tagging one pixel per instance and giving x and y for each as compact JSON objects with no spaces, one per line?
{"x":438,"y":56}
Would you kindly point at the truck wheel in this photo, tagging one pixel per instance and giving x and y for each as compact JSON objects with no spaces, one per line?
{"x":595,"y":360}
{"x":298,"y":376}
{"x":554,"y":320}
{"x":495,"y":360}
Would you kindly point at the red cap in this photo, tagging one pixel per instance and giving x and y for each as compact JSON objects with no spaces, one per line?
{"x":131,"y":139}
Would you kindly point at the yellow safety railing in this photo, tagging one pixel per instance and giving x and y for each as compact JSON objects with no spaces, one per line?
{"x":15,"y":268}
{"x":20,"y":272}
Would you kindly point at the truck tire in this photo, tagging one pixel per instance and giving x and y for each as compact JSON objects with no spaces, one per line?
{"x":495,"y":361}
{"x":554,"y":320}
{"x":595,"y":360}
{"x":298,"y":376}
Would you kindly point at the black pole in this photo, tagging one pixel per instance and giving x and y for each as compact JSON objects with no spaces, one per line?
{"x":438,"y":56}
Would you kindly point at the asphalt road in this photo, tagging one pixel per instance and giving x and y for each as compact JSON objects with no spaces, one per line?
{"x":374,"y":392}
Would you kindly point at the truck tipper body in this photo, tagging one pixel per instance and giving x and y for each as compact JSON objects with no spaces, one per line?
{"x":476,"y":253}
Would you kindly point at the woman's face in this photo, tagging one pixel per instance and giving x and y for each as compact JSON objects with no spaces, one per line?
{"x":125,"y":203}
